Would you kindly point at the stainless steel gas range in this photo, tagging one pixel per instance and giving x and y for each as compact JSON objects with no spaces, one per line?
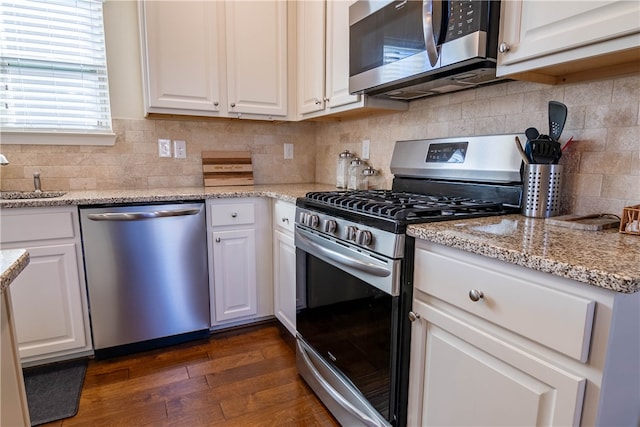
{"x":354,"y":267}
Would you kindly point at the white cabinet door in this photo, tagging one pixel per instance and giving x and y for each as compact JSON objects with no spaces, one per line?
{"x":47,"y":302}
{"x":337,"y":54}
{"x":14,"y":410}
{"x":256,"y":40}
{"x":284,"y":272}
{"x":460,"y":375}
{"x":181,"y":60}
{"x":311,"y":56}
{"x":234,"y":274}
{"x":547,"y":33}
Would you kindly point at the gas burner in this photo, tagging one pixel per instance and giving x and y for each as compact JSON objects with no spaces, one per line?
{"x":404,"y":206}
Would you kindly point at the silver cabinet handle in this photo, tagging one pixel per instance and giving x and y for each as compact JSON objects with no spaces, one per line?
{"x":504,"y":47}
{"x":285,"y":220}
{"x":217,"y":240}
{"x":475,"y":295}
{"x":234,"y":214}
{"x":413,"y":316}
{"x":136,"y":216}
{"x":233,"y":104}
{"x":215,"y":104}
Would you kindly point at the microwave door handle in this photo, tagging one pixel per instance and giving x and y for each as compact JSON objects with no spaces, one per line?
{"x":431,"y":26}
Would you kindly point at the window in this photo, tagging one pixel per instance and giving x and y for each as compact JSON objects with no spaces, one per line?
{"x":53,"y":71}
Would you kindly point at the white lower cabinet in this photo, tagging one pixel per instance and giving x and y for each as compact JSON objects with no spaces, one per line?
{"x":14,"y":410}
{"x":284,"y":264}
{"x":234,"y":274}
{"x":494,"y":344}
{"x":49,"y":297}
{"x":238,"y":237}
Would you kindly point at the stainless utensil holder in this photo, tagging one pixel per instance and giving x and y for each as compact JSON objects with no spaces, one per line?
{"x":541,"y":195}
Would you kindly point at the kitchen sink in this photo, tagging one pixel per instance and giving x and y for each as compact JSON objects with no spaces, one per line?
{"x":30,"y":194}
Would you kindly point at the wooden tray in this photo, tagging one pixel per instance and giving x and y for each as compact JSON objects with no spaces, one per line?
{"x":594,"y":222}
{"x":227,"y":168}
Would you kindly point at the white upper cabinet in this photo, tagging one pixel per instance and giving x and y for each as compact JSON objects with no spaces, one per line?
{"x":181,"y":57}
{"x":311,"y":59}
{"x":323,"y":62}
{"x":554,"y":40}
{"x":214,"y":58}
{"x":337,"y":54}
{"x":256,"y":40}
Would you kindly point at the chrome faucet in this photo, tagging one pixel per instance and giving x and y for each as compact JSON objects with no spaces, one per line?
{"x":36,"y":182}
{"x":3,"y":160}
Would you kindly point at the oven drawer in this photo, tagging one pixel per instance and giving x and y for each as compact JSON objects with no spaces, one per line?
{"x":284,"y":215}
{"x":511,"y":298}
{"x":231,"y":213}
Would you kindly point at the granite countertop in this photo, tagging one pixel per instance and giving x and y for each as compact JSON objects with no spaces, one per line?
{"x":607,"y":259}
{"x":286,"y":192}
{"x":12,"y":262}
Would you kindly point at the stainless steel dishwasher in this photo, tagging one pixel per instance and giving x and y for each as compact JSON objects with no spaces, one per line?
{"x":147,"y":275}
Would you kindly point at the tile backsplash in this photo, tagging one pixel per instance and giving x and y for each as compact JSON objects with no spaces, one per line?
{"x":134,"y":163}
{"x":601,"y":168}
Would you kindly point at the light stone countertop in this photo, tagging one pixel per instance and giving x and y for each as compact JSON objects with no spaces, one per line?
{"x":286,"y":192}
{"x":607,"y":259}
{"x":12,"y":262}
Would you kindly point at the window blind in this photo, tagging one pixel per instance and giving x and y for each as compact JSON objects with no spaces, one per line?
{"x":53,"y":66}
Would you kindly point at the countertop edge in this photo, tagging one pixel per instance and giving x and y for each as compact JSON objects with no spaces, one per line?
{"x":285,"y":192}
{"x":452,"y":237}
{"x":12,"y":262}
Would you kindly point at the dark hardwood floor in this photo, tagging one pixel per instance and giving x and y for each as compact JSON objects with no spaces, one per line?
{"x":244,"y":377}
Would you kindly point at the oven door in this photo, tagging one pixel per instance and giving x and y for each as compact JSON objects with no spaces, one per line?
{"x":347,"y":323}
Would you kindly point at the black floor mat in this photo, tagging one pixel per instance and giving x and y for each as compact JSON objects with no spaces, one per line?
{"x":53,"y":391}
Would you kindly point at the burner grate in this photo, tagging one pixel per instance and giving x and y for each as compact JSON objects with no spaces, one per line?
{"x":404,"y":206}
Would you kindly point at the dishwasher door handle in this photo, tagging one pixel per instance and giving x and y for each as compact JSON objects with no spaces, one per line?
{"x":136,"y":216}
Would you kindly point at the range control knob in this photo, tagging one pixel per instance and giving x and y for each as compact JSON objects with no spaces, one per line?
{"x":350,"y":232}
{"x":364,"y":237}
{"x":329,"y":226}
{"x":302,"y":218}
{"x":313,"y":221}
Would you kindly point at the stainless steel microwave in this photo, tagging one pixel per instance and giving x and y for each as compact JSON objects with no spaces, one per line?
{"x":411,"y":49}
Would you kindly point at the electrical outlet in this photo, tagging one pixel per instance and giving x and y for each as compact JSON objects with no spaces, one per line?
{"x":164,"y":147}
{"x":365,"y":149}
{"x":288,"y":151}
{"x":180,"y":149}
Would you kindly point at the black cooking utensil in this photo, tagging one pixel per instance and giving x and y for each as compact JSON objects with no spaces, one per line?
{"x":557,"y":119}
{"x":545,"y":151}
{"x":531,"y":133}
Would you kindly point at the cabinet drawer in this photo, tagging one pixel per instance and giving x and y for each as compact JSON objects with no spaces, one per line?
{"x":25,"y":225}
{"x":284,"y":215}
{"x":553,"y":318}
{"x":231,"y":214}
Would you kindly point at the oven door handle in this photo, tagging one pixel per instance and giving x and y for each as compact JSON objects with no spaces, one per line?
{"x":368,"y":421}
{"x":345,"y":260}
